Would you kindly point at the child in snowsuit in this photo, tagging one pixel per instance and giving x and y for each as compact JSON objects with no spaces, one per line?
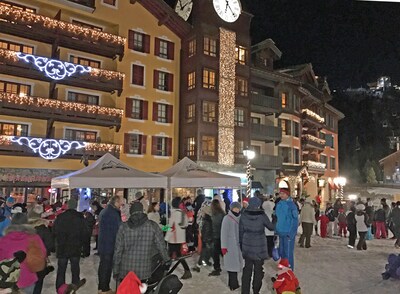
{"x":342,"y":223}
{"x":286,"y":281}
{"x":324,"y":221}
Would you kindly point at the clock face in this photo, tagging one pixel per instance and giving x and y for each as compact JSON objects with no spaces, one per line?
{"x":183,"y":8}
{"x":228,"y":10}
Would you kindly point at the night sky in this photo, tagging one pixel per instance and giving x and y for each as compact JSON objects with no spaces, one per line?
{"x":350,"y":42}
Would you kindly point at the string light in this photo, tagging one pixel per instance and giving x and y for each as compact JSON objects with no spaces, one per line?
{"x":28,"y":19}
{"x":315,"y":164}
{"x":103,"y":147}
{"x":314,"y":139}
{"x":108,"y":74}
{"x":57,"y":104}
{"x":312,"y":114}
{"x":226,"y":120}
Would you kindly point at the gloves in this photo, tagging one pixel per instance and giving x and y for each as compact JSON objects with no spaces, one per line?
{"x":224,"y":251}
{"x":273,"y":279}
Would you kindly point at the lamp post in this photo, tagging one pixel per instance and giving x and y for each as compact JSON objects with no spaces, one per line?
{"x":341,"y":181}
{"x":250,"y":154}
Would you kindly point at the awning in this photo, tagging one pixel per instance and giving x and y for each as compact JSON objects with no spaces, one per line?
{"x":333,"y":186}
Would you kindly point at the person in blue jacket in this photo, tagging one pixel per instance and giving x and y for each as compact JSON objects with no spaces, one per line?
{"x":286,"y":227}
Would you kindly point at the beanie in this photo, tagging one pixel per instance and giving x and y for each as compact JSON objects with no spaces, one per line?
{"x":254,"y":202}
{"x":283,"y":190}
{"x":283,"y":263}
{"x":138,"y":195}
{"x":10,"y":200}
{"x":136,"y":206}
{"x":235,"y":205}
{"x":72,"y":203}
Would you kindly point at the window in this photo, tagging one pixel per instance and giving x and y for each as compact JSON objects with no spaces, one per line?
{"x":16,"y":47}
{"x":164,"y":49}
{"x":207,"y":146}
{"x":296,"y":155}
{"x":256,"y":149}
{"x":239,"y":147}
{"x":13,"y":129}
{"x":210,"y":46}
{"x":296,"y":129}
{"x":192,"y":48}
{"x":241,"y":87}
{"x":209,"y":79}
{"x":161,"y":146}
{"x":190,"y":113}
{"x":284,"y":98}
{"x":15,"y":88}
{"x":239,"y":117}
{"x":83,"y":98}
{"x":322,"y":135}
{"x":329,"y":141}
{"x":84,"y":61}
{"x":135,"y":144}
{"x":190,"y":146}
{"x":332,"y":163}
{"x":191,"y":80}
{"x":255,"y":120}
{"x":87,"y":25}
{"x":286,"y":154}
{"x":241,"y":55}
{"x":136,"y":108}
{"x":296,"y":102}
{"x":286,"y":126}
{"x":323,"y":159}
{"x":110,"y":2}
{"x":162,"y":112}
{"x":137,"y":74}
{"x":18,"y":6}
{"x":80,"y":135}
{"x":138,"y":42}
{"x":209,"y":111}
{"x":163,"y":81}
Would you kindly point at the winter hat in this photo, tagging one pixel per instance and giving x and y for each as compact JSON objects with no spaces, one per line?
{"x":136,"y":206}
{"x":19,"y":219}
{"x":35,"y":212}
{"x":284,"y":190}
{"x":341,"y":210}
{"x":11,"y":200}
{"x":360,"y":207}
{"x":131,"y":284}
{"x":235,"y":205}
{"x":72,"y":203}
{"x":176,"y":202}
{"x":254,"y":202}
{"x":283,"y":263}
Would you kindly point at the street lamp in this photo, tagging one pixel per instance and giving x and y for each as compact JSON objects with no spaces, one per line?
{"x":250,"y":154}
{"x":341,"y":181}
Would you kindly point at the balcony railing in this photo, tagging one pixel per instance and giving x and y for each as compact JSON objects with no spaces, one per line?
{"x":45,"y":29}
{"x":92,"y":150}
{"x":312,"y":142}
{"x":43,"y":108}
{"x":312,"y":116}
{"x":315,"y":166}
{"x":263,"y":161}
{"x":266,"y":133}
{"x":56,"y":71}
{"x":265,"y":104}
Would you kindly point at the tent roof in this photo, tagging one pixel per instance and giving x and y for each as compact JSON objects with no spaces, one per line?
{"x":109,"y":172}
{"x":187,"y":174}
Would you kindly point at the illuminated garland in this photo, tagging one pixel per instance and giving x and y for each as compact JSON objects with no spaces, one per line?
{"x":314,"y":139}
{"x":313,"y":115}
{"x":314,"y":164}
{"x":57,"y":104}
{"x":5,"y":140}
{"x":103,"y":147}
{"x":108,"y":74}
{"x":31,"y":19}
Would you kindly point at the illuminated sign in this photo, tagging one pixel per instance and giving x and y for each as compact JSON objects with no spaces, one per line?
{"x":54,"y":69}
{"x":48,"y":148}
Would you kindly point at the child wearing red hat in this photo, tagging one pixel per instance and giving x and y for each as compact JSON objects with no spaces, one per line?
{"x":286,"y":282}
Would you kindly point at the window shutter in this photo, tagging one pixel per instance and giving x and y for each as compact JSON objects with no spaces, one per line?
{"x":157,"y":47}
{"x":171,"y":47}
{"x":170,"y":113}
{"x":170,"y":82}
{"x":128,"y":107}
{"x":131,"y":35}
{"x":143,"y":142}
{"x":146,"y":40}
{"x":153,"y":145}
{"x":155,"y":111}
{"x":126,"y":142}
{"x":145,"y":110}
{"x":138,"y":75}
{"x":169,"y":146}
{"x":155,"y":79}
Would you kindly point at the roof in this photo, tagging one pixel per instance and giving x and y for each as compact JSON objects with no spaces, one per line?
{"x":267,"y":44}
{"x":381,"y":161}
{"x":335,"y":111}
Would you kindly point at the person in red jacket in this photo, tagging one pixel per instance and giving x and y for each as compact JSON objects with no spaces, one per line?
{"x":324,"y":221}
{"x":286,"y":282}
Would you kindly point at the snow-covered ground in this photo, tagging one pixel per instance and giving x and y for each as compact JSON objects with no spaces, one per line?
{"x":329,"y":267}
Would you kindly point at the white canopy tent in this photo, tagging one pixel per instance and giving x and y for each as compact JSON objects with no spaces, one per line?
{"x":109,"y":172}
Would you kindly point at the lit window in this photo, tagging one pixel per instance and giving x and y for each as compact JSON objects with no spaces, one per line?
{"x":84,"y":61}
{"x":190,"y":113}
{"x":16,"y":47}
{"x":83,"y":98}
{"x":190,"y":146}
{"x":209,"y":79}
{"x":239,"y":117}
{"x":17,"y":6}
{"x":241,"y":87}
{"x":239,"y":147}
{"x":79,"y":135}
{"x":284,"y":100}
{"x":209,"y":111}
{"x":210,"y":46}
{"x":286,"y":126}
{"x":10,"y":129}
{"x":207,"y":146}
{"x":191,"y":80}
{"x":192,"y":48}
{"x":15,"y":88}
{"x":241,"y":55}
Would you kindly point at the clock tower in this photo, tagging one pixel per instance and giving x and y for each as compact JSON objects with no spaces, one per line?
{"x":215,"y":88}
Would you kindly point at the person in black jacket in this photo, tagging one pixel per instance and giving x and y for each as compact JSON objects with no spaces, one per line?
{"x":253,"y":244}
{"x":352,"y":226}
{"x":70,"y":232}
{"x":90,"y":222}
{"x":206,"y":239}
{"x":217,"y":215}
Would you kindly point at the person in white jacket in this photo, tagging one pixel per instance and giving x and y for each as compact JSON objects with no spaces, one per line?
{"x":268,"y":207}
{"x":307,"y":219}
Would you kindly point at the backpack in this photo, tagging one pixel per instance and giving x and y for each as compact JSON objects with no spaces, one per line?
{"x":35,"y":259}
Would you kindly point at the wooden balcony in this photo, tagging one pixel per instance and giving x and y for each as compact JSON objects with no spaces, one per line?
{"x":315,"y":166}
{"x":311,"y":119}
{"x":92,"y":150}
{"x":312,"y":142}
{"x":50,"y":109}
{"x":263,"y":161}
{"x":59,"y":33}
{"x":265,"y":104}
{"x":266,"y":133}
{"x":42,"y":68}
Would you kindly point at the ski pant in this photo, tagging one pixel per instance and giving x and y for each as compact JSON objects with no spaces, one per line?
{"x":250,"y":267}
{"x":286,"y":248}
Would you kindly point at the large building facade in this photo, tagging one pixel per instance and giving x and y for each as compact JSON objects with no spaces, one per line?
{"x":79,"y":78}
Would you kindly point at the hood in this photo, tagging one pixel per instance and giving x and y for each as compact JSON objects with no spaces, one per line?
{"x":35,"y":222}
{"x":137,"y":219}
{"x":253,"y":213}
{"x":21,"y":229}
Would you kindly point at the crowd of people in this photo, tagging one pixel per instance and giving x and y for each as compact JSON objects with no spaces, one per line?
{"x":141,"y":236}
